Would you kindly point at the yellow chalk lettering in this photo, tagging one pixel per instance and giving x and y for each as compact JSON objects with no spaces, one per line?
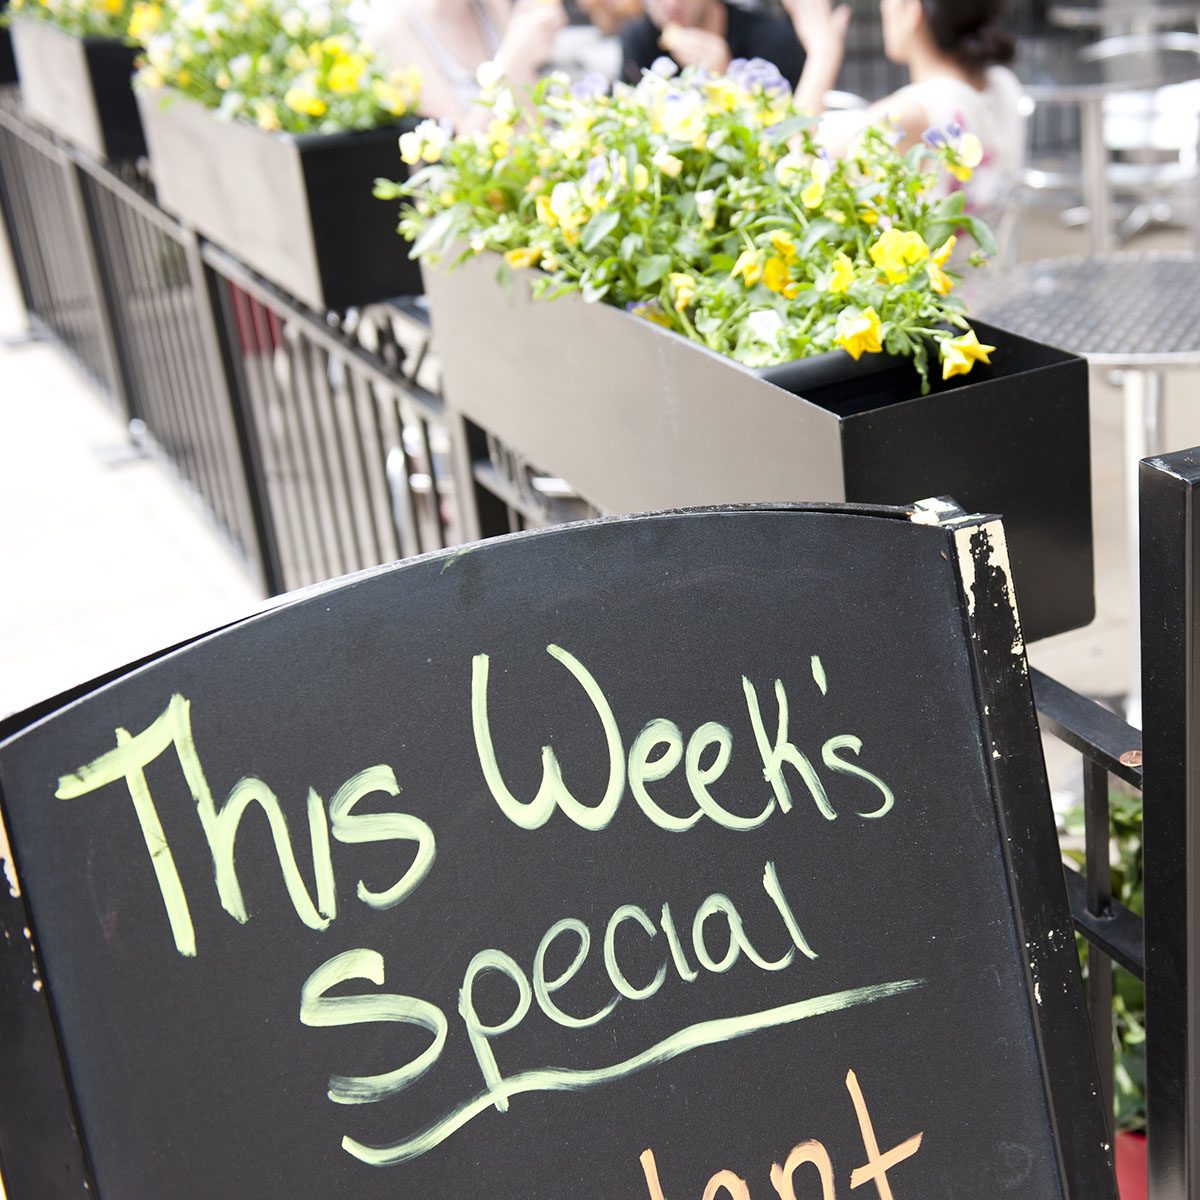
{"x":543,"y":987}
{"x":782,"y":753}
{"x":533,"y":814}
{"x":629,"y":912}
{"x":319,"y":1010}
{"x":349,"y":827}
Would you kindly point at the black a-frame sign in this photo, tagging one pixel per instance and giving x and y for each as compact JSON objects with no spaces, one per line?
{"x":684,"y":856}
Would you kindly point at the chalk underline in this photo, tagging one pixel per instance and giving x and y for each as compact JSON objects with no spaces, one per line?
{"x":566,"y":1079}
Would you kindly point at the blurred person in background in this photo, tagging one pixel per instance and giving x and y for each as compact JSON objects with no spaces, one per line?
{"x":956,"y":54}
{"x":608,"y":16}
{"x":450,"y":39}
{"x":709,"y":34}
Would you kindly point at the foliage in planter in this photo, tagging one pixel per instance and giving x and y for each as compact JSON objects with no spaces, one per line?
{"x":704,"y":204}
{"x":300,"y":68}
{"x":83,"y":18}
{"x":1129,"y":993}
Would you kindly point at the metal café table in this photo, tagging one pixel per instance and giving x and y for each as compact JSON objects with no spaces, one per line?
{"x":1136,"y":313}
{"x":1059,"y":75}
{"x":1125,"y":16}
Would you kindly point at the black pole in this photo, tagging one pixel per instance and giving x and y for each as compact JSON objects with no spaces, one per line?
{"x":1170,"y":589}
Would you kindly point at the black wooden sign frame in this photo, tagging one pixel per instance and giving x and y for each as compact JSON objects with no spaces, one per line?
{"x":43,"y":1149}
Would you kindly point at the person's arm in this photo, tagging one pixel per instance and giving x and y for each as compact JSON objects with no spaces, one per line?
{"x":528,"y":39}
{"x":821,"y":29}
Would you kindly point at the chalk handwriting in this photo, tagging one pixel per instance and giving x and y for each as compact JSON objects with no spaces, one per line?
{"x":813,"y":1154}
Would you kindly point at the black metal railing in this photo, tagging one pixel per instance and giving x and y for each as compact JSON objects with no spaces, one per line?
{"x":320,"y":444}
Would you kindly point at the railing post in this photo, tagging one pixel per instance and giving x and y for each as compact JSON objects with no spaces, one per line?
{"x":1170,"y":591}
{"x":214,"y":336}
{"x":110,"y":347}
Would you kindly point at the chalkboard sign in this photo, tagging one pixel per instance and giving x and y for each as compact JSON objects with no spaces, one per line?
{"x":681,"y":857}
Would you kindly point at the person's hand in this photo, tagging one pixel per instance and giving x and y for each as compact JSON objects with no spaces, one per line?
{"x":696,"y":48}
{"x":820,"y":27}
{"x":529,"y":38}
{"x":609,"y":15}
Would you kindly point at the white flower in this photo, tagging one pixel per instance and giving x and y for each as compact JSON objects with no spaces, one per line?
{"x":292,"y":22}
{"x":706,"y":207}
{"x":565,"y":202}
{"x":664,"y":67}
{"x":241,"y":66}
{"x":765,"y":326}
{"x":504,"y":107}
{"x":666,"y":162}
{"x":489,"y":76}
{"x":789,"y":168}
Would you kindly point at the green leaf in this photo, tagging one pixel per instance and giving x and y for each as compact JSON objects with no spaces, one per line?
{"x":437,"y":233}
{"x":982,"y":234}
{"x":651,"y":270}
{"x":631,"y":246}
{"x":598,"y":228}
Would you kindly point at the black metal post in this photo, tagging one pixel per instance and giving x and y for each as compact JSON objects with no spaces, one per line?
{"x":1170,"y":589}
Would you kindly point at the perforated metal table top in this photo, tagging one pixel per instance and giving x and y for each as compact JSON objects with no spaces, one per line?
{"x":1118,"y":310}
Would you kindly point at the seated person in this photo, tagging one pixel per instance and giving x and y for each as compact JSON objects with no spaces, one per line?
{"x":709,"y":34}
{"x":609,"y":15}
{"x":450,"y":39}
{"x":955,"y":53}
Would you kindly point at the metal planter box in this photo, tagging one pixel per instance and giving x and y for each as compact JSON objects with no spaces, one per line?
{"x":298,"y":209}
{"x":81,"y":88}
{"x":8,"y":65}
{"x":635,"y":417}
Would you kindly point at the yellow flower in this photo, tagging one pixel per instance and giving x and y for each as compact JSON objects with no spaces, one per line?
{"x":748,"y":266}
{"x":859,"y":333}
{"x":112,"y":7}
{"x":265,"y":115}
{"x":652,"y":312}
{"x":897,"y":251}
{"x":641,"y":177}
{"x":942,"y":254}
{"x":970,"y":150}
{"x":783,"y":245}
{"x":843,"y":274}
{"x":961,"y":173}
{"x":939,"y":280}
{"x":300,"y":100}
{"x":960,"y":354}
{"x":776,"y":277}
{"x":535,"y":186}
{"x":296,"y":59}
{"x":869,"y":216}
{"x":544,"y":213}
{"x":522,"y":257}
{"x":814,"y":193}
{"x":685,"y":290}
{"x":184,"y":77}
{"x":345,"y":74}
{"x":143,"y":21}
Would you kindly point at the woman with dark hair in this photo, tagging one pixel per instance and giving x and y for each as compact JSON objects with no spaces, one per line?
{"x":956,"y":54}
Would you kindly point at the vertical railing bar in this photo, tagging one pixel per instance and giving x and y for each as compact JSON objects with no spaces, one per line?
{"x":376,"y":465}
{"x":208,"y":390}
{"x":292,"y":566}
{"x":404,"y":514}
{"x":93,"y":283}
{"x":354,"y":402}
{"x":17,"y":252}
{"x":183,"y":449}
{"x":331,"y":441}
{"x":342,"y":392}
{"x":31,"y":249}
{"x":1099,"y":899}
{"x":434,"y":483}
{"x":216,"y":301}
{"x":282,"y":417}
{"x":317,"y":473}
{"x":1170,"y":593}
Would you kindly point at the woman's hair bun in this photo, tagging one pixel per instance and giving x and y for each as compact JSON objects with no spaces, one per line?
{"x":987,"y":46}
{"x":970,"y":30}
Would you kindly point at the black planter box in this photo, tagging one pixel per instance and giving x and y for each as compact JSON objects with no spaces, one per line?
{"x":81,"y":88}
{"x":8,"y":65}
{"x":298,"y":209}
{"x":635,"y":417}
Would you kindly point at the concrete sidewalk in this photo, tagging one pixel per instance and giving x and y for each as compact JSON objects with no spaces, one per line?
{"x":104,"y":557}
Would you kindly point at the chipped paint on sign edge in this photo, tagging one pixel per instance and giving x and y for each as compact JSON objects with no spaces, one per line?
{"x":993,"y":532}
{"x":6,"y":859}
